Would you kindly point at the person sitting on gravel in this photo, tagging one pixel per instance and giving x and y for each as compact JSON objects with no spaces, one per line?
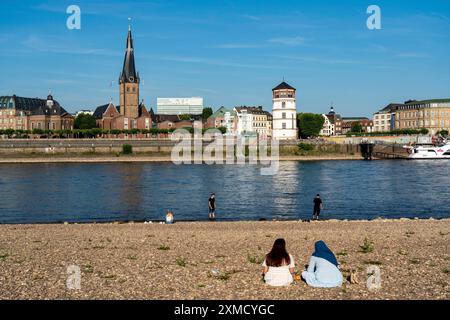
{"x":278,"y":266}
{"x":323,"y":269}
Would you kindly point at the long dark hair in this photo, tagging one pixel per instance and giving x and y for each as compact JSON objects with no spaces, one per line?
{"x":278,"y":256}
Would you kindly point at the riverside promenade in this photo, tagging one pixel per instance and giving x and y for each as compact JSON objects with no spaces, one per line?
{"x":203,"y":260}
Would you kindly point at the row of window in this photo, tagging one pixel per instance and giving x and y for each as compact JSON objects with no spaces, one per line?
{"x":421,"y":123}
{"x":133,"y":123}
{"x":381,"y":122}
{"x":40,"y":125}
{"x":425,"y":113}
{"x":284,"y":95}
{"x":382,"y":116}
{"x":260,"y":124}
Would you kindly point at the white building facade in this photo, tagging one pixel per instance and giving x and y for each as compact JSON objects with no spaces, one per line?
{"x":177,"y":106}
{"x":382,"y":121}
{"x":328,"y":127}
{"x":253,"y":121}
{"x":284,"y":112}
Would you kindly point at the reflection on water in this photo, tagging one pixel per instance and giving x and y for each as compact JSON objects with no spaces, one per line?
{"x":136,"y":191}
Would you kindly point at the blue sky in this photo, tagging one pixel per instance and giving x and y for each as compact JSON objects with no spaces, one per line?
{"x":230,"y":52}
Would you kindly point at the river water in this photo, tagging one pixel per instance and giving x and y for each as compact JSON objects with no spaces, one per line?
{"x":41,"y":193}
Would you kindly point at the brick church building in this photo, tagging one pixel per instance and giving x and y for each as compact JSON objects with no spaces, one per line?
{"x":131,"y":113}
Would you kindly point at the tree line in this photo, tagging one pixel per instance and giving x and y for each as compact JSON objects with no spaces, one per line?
{"x":92,"y":133}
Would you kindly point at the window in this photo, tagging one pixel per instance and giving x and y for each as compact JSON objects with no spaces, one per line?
{"x":283,"y":104}
{"x":283,"y":115}
{"x":283,"y":125}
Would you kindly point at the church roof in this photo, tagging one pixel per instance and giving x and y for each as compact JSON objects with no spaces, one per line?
{"x":100,"y":110}
{"x":283,"y":86}
{"x":129,"y":74}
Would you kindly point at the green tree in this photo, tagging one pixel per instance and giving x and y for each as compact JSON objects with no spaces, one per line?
{"x":443,"y":133}
{"x":9,"y":132}
{"x":85,"y":121}
{"x":207,"y":112}
{"x":357,"y":127}
{"x":309,"y":124}
{"x":424,"y":131}
{"x":37,"y":131}
{"x":223,"y":129}
{"x":185,"y":117}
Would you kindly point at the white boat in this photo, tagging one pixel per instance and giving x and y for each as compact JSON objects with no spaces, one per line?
{"x":429,"y":151}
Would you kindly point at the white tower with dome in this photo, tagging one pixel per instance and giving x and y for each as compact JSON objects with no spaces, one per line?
{"x":284,"y":112}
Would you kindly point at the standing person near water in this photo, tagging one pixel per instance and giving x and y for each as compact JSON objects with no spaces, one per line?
{"x":212,"y":207}
{"x":318,"y":205}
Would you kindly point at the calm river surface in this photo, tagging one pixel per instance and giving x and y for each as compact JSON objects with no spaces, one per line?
{"x":35,"y":193}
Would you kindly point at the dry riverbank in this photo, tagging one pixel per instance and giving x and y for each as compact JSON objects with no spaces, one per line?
{"x":154,"y":261}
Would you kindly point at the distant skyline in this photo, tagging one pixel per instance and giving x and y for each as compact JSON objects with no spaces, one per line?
{"x":229,"y":52}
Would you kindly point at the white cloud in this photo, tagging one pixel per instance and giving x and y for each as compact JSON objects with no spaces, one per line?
{"x":288,"y":41}
{"x":321,"y":60}
{"x":210,"y":61}
{"x":237,"y":46}
{"x":412,"y":55}
{"x":56,"y":45}
{"x":251,"y":17}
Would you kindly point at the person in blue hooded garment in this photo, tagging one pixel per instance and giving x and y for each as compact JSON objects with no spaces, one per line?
{"x":323,"y":269}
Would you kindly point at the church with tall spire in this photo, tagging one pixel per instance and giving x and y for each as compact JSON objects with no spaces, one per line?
{"x":129,"y":82}
{"x":131,"y":112}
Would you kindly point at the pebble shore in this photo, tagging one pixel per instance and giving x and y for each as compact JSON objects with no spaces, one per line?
{"x":220,"y":260}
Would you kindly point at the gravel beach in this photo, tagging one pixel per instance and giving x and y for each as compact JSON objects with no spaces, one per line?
{"x":220,"y":260}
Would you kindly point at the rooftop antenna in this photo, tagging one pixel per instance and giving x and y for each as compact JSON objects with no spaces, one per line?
{"x":129,"y":24}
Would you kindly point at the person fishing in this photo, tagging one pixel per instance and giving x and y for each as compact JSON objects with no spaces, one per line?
{"x":212,"y":207}
{"x":318,"y":205}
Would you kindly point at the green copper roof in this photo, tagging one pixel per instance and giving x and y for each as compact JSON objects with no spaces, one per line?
{"x":221,"y":112}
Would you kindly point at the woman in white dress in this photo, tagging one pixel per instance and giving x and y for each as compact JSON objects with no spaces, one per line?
{"x":323,"y":269}
{"x":278,"y":266}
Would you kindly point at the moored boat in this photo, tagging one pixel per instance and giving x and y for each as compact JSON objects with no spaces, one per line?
{"x":424,"y":151}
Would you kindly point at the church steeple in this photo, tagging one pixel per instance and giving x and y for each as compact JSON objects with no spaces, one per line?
{"x":129,"y":85}
{"x":129,"y":74}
